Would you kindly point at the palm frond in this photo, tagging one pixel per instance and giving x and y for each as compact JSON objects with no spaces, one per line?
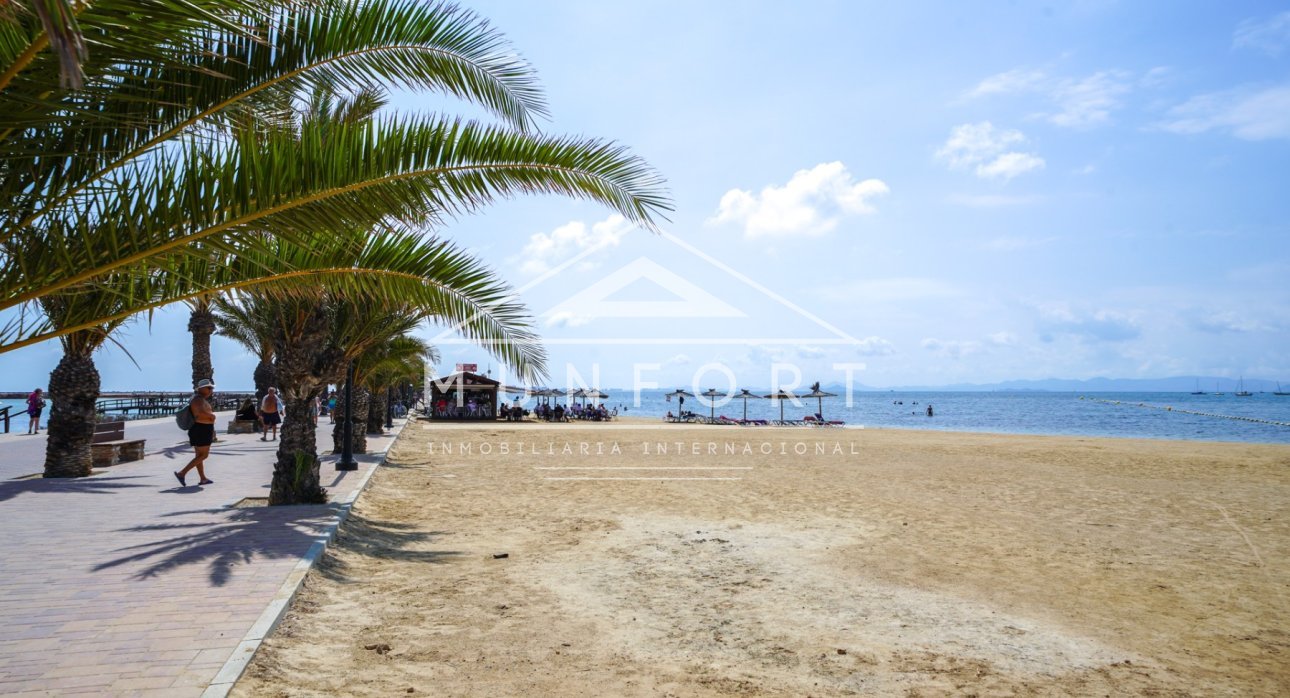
{"x":348,"y":175}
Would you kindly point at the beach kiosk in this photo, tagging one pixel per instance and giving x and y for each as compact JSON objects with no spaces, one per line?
{"x":463,"y":396}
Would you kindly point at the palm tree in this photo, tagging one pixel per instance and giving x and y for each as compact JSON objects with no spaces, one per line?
{"x":166,"y":147}
{"x":365,"y":326}
{"x":74,"y":382}
{"x":385,"y":366}
{"x":392,"y":273}
{"x":248,"y":321}
{"x":391,"y":354}
{"x":201,"y":323}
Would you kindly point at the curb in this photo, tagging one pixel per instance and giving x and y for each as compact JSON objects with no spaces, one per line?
{"x":233,"y":669}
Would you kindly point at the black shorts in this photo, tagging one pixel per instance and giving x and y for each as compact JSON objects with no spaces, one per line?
{"x":201,"y":434}
{"x":271,"y":418}
{"x":34,"y":414}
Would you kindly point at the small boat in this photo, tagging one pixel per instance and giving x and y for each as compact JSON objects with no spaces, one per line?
{"x":1198,"y":391}
{"x":1217,"y":391}
{"x":1279,"y":391}
{"x":1240,"y":389}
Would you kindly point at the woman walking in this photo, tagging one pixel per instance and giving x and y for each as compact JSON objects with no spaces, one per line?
{"x":35,"y":405}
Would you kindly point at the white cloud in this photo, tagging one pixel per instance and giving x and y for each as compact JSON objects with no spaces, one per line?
{"x":1226,"y":321}
{"x":1156,"y":77}
{"x":678,"y":360}
{"x":1081,"y":102}
{"x":1009,"y":165}
{"x":1270,"y":36}
{"x":1089,"y":102}
{"x":1012,"y":244}
{"x":1017,"y":80}
{"x":811,"y":203}
{"x":1003,"y":339}
{"x":1085,"y":170}
{"x":887,"y":290}
{"x":1247,"y":113}
{"x":545,"y":250}
{"x":990,"y":200}
{"x":953,"y":348}
{"x":986,"y":148}
{"x":1099,"y":325}
{"x":874,"y":346}
{"x":566,"y":318}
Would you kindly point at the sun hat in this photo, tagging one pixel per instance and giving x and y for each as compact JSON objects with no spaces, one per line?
{"x":204,"y":383}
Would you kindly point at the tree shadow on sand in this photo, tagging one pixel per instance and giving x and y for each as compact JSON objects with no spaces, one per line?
{"x":80,"y":485}
{"x":236,"y":538}
{"x":385,"y":540}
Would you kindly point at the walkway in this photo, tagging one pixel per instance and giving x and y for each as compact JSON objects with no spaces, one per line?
{"x":124,"y":583}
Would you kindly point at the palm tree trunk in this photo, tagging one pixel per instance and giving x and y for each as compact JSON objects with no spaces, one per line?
{"x":362,"y":401}
{"x":73,"y":390}
{"x":265,"y":376}
{"x":362,"y":407}
{"x":376,"y":412}
{"x":202,"y":324}
{"x":302,"y":365}
{"x":296,"y":476}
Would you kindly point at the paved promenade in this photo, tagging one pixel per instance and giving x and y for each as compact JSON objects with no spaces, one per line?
{"x":125,"y":583}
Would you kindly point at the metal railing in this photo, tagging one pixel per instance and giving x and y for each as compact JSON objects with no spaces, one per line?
{"x":159,"y":405}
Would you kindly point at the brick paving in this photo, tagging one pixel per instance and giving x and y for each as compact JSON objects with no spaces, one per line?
{"x":124,"y":583}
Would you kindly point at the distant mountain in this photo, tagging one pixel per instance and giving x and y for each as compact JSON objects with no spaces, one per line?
{"x":1176,"y":384}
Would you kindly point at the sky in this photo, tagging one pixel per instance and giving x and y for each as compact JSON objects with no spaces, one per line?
{"x":924,"y":193}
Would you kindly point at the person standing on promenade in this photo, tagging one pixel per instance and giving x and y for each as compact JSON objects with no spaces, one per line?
{"x":201,"y":433}
{"x":269,"y":413}
{"x":35,"y":405}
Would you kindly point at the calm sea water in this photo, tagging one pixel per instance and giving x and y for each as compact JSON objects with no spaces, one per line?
{"x":1006,"y":413}
{"x":1022,"y":413}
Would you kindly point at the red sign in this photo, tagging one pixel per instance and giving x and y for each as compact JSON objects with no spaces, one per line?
{"x":472,"y":368}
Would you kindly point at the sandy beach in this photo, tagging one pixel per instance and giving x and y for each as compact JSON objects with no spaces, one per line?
{"x":797,"y":562}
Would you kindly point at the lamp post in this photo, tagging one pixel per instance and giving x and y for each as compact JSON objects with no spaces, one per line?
{"x":389,"y":407}
{"x":346,"y":461}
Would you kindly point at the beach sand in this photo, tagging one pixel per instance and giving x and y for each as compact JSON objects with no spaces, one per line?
{"x":895,"y":562}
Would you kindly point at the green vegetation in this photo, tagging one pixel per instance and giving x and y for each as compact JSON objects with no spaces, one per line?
{"x":153,"y":152}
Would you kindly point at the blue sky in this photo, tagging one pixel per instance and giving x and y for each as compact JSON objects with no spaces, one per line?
{"x":964,"y":191}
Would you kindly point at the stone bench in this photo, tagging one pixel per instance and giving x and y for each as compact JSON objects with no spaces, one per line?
{"x":109,"y":453}
{"x":242,"y":426}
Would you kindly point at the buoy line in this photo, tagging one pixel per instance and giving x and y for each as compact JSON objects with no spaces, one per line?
{"x":1167,"y":408}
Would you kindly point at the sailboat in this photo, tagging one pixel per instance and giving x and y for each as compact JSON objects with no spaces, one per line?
{"x":1198,"y":391}
{"x":1217,"y":391}
{"x":1279,"y":392}
{"x":1240,"y":389}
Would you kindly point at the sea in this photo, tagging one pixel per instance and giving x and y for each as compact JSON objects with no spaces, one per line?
{"x":1120,"y":415}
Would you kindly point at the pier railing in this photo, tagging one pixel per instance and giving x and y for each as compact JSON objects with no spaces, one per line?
{"x":4,"y":414}
{"x":159,"y":404}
